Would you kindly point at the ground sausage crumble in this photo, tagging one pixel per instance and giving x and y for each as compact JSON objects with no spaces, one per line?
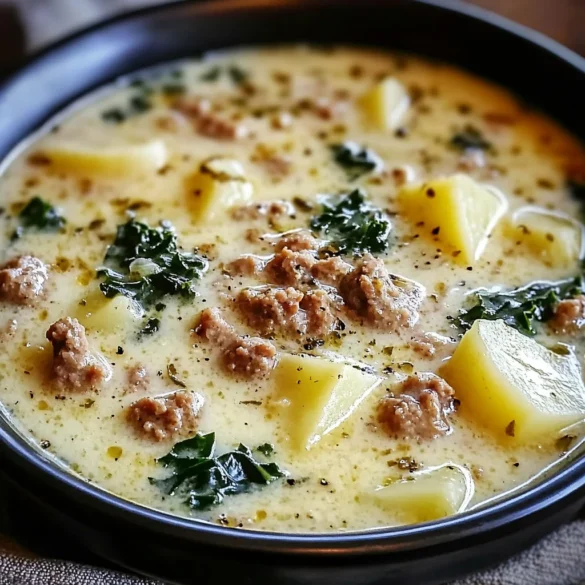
{"x":165,"y":417}
{"x":244,"y":356}
{"x":23,"y":280}
{"x":75,"y":367}
{"x":418,"y":409}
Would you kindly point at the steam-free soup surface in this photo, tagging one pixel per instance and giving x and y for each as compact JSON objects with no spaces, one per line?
{"x":274,"y":324}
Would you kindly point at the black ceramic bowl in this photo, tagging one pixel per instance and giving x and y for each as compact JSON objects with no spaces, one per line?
{"x":183,"y":551}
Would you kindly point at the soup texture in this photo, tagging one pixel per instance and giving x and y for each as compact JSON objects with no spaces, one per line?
{"x":297,"y":289}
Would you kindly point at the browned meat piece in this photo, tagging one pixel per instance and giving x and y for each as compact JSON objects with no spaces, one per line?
{"x":272,"y":310}
{"x":245,"y":356}
{"x":429,"y":345}
{"x":166,"y":417}
{"x":276,"y":166}
{"x":320,"y":316}
{"x":331,"y":270}
{"x":290,"y":268}
{"x":9,"y":329}
{"x":297,"y":242}
{"x":208,"y":123}
{"x":138,"y":378}
{"x":378,"y":298}
{"x":419,"y":409}
{"x":569,"y":316}
{"x":269,"y":209}
{"x":74,"y":366}
{"x":244,"y":266}
{"x":327,"y":109}
{"x":22,"y":280}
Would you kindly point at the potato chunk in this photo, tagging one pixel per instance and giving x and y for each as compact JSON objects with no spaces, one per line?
{"x":514,"y":386}
{"x":427,"y":495}
{"x":219,"y":184}
{"x":108,"y":315}
{"x":555,"y":237}
{"x":386,"y":104}
{"x":456,"y":211}
{"x":112,"y":161}
{"x":315,"y":395}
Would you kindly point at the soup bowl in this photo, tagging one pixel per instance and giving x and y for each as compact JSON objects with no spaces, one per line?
{"x":186,"y":551}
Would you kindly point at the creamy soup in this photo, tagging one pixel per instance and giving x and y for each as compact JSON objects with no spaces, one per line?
{"x":297,"y":289}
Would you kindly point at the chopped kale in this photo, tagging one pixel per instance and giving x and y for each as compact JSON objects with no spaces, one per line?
{"x":150,"y":327}
{"x":173,"y":89}
{"x":355,"y":159}
{"x":352,"y":224}
{"x":40,"y":215}
{"x":113,"y":116}
{"x":522,"y":307}
{"x":139,"y":104}
{"x":149,"y":265}
{"x":237,"y":74}
{"x":211,"y":74}
{"x":267,"y":449}
{"x":140,"y":99}
{"x":204,"y":480}
{"x":470,"y":138}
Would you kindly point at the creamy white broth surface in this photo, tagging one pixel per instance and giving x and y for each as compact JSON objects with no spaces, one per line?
{"x":291,"y":106}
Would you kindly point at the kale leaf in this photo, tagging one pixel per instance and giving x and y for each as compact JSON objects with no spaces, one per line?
{"x":149,"y":265}
{"x":267,"y":449}
{"x":40,"y":215}
{"x":522,"y":307}
{"x":355,"y":159}
{"x":204,"y":480}
{"x":470,"y":138}
{"x":353,"y":224}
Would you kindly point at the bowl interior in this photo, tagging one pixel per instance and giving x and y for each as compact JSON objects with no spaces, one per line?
{"x":470,"y":38}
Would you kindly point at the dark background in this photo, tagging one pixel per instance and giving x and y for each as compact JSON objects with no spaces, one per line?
{"x":26,"y":25}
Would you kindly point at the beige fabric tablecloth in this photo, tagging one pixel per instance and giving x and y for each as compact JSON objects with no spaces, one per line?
{"x":557,"y":560}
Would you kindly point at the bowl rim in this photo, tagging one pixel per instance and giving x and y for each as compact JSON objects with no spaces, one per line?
{"x":566,"y":483}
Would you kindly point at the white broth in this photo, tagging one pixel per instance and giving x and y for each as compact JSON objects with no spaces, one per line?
{"x":234,"y":151}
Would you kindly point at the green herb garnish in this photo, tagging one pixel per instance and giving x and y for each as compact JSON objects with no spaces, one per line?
{"x":149,"y":265}
{"x":211,"y":74}
{"x":470,"y":138}
{"x":267,"y":449}
{"x":352,"y":224}
{"x":205,"y":480}
{"x":140,"y":100}
{"x":522,"y":307}
{"x":355,"y":159}
{"x":114,"y":116}
{"x":173,"y":89}
{"x":40,"y":215}
{"x":237,"y":74}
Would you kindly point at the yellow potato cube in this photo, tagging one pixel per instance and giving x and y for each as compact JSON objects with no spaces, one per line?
{"x":427,"y":495}
{"x":455,"y":211}
{"x":218,"y":185}
{"x":108,"y":315}
{"x":555,"y":237}
{"x":315,"y":395}
{"x":514,"y":386}
{"x":110,"y":161}
{"x":387,"y":104}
